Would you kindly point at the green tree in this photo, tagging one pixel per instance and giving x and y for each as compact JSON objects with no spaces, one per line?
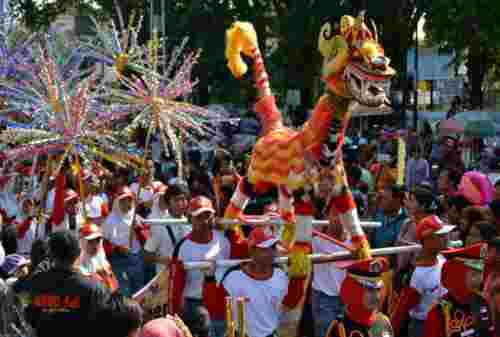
{"x":469,"y":28}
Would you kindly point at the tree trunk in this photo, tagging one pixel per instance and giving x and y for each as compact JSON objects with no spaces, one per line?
{"x":475,"y":74}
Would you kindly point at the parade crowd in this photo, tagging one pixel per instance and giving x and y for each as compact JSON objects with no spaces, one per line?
{"x":75,"y":268}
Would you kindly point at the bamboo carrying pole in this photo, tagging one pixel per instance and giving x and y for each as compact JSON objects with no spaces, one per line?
{"x":255,"y":223}
{"x":315,"y":258}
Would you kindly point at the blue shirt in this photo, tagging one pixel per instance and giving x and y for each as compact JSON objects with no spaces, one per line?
{"x":387,"y":234}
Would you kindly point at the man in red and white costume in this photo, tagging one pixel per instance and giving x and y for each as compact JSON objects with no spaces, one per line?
{"x":266,"y":287}
{"x":424,"y":287}
{"x":462,"y":311}
{"x":203,"y":243}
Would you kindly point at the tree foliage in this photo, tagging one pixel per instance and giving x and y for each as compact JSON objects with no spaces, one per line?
{"x":471,"y":29}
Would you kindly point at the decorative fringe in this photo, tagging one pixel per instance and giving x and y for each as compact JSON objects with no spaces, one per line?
{"x":300,"y":264}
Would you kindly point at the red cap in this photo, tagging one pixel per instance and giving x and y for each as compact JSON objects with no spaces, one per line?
{"x":432,"y":225}
{"x":472,"y":256}
{"x":368,"y":272}
{"x":199,"y":205}
{"x":70,"y":195}
{"x":90,"y":231}
{"x":261,"y":239}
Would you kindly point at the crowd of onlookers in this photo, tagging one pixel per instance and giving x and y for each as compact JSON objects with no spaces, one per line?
{"x":81,"y":277}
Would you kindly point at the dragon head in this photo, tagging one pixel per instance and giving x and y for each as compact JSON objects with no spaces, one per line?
{"x":355,"y":65}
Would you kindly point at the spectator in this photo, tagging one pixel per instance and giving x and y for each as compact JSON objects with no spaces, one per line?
{"x":62,"y":299}
{"x":417,"y":169}
{"x":9,"y":239}
{"x":14,"y":266}
{"x":497,"y":190}
{"x":40,"y":256}
{"x":124,"y":317}
{"x":495,"y":211}
{"x":450,"y":156}
{"x":419,"y":204}
{"x":392,"y":215}
{"x":492,"y":281}
{"x":171,"y":326}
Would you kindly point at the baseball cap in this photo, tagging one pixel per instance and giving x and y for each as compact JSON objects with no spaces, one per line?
{"x":90,"y":232}
{"x":64,"y":245}
{"x":199,"y":205}
{"x":261,"y":239}
{"x":432,"y":225}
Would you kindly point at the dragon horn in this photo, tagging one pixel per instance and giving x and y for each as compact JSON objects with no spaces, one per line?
{"x":375,"y":31}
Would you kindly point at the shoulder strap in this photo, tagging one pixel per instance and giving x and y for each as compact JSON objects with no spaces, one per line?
{"x":178,"y":248}
{"x":230,"y":270}
{"x":171,"y":235}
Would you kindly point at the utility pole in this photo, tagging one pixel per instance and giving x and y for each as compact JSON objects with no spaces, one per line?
{"x":415,"y":112}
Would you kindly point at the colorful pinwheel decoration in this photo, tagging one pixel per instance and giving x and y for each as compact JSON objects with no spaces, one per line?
{"x":68,"y":126}
{"x":154,"y":99}
{"x":116,"y":47}
{"x":32,"y":90}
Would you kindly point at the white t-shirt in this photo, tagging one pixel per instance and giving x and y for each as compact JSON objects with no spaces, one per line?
{"x":427,"y":281}
{"x":265,"y":297}
{"x":24,"y":244}
{"x":159,"y":243}
{"x":327,"y":278}
{"x":218,"y":248}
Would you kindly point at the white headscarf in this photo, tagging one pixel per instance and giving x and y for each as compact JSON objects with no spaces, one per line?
{"x":116,"y":228}
{"x":93,"y":264}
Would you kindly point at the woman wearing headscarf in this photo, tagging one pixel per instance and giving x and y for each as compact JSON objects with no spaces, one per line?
{"x":125,"y":258}
{"x":93,"y":259}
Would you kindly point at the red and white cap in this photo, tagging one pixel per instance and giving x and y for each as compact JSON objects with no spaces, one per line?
{"x":199,"y":205}
{"x":432,"y":225}
{"x":90,"y":232}
{"x":261,"y":239}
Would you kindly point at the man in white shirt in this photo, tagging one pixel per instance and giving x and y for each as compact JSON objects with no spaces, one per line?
{"x":203,"y":243}
{"x":425,"y":287}
{"x":171,"y":203}
{"x":327,"y":279}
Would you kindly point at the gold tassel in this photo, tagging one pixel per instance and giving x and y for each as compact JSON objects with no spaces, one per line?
{"x":288,"y":235}
{"x":231,"y":324}
{"x":300,"y":264}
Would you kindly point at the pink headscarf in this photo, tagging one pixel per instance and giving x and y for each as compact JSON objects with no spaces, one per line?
{"x":476,"y":188}
{"x":165,"y":327}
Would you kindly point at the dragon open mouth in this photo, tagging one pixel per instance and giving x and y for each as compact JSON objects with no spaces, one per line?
{"x":366,"y":86}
